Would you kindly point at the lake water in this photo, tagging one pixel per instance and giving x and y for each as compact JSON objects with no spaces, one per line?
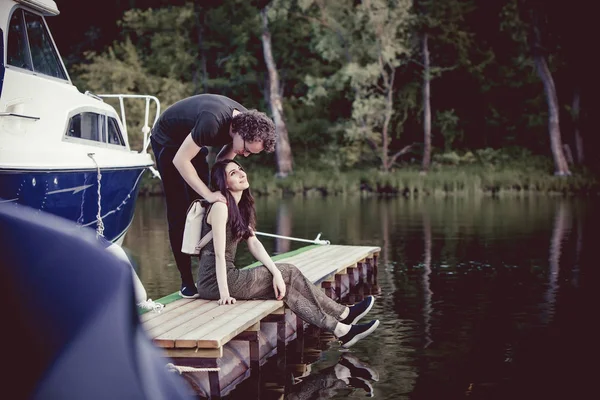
{"x":479,"y":297}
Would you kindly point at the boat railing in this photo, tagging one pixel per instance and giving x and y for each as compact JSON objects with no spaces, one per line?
{"x":146,"y":128}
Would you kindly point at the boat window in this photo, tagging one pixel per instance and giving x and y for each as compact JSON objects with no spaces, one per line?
{"x":87,"y":126}
{"x":114,"y":133}
{"x":17,"y":53}
{"x":45,"y":58}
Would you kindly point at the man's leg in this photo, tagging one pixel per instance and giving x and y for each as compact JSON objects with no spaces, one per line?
{"x":177,"y":199}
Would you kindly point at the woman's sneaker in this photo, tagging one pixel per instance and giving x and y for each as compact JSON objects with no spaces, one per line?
{"x":358,"y":332}
{"x":189,"y":292}
{"x":359,"y":310}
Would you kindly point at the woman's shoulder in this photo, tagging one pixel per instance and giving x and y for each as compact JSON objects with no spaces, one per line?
{"x":217,"y":212}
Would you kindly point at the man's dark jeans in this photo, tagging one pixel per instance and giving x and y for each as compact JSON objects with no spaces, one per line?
{"x":178,"y":196}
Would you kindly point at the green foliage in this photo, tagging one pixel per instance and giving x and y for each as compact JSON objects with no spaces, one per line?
{"x":447,"y":122}
{"x":368,"y":43}
{"x":336,"y":61}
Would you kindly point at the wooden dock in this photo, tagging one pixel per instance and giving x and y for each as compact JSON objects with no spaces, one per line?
{"x":217,"y":347}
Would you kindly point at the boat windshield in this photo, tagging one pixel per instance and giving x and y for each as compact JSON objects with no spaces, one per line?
{"x":30,"y":46}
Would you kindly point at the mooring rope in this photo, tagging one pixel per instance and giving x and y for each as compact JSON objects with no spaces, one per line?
{"x":151,"y":305}
{"x":181,"y":369}
{"x":100,"y":223}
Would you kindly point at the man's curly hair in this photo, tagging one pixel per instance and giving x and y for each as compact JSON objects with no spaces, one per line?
{"x":254,"y":126}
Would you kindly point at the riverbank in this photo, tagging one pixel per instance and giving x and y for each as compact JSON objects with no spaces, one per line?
{"x":409,"y":182}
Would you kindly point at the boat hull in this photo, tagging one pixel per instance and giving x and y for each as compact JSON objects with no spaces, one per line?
{"x":73,"y":195}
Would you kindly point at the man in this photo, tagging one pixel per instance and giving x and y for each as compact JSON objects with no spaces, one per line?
{"x":179,"y":139}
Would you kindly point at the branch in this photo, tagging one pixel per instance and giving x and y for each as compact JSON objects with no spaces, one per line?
{"x":405,"y":150}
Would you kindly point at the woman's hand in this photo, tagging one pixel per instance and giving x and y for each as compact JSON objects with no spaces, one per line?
{"x":216,"y":196}
{"x":226,"y":300}
{"x":278,"y":286}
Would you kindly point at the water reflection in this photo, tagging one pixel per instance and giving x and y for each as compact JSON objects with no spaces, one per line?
{"x":427,"y":308}
{"x":347,"y":376}
{"x":284,"y":228}
{"x":562,"y":226}
{"x":478,"y":297}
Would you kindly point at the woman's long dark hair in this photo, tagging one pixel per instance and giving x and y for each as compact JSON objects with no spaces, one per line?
{"x":242,"y":216}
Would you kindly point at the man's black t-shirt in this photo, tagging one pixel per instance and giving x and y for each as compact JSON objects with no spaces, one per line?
{"x":206,"y":116}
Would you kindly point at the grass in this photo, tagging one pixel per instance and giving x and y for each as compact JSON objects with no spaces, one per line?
{"x":440,"y":180}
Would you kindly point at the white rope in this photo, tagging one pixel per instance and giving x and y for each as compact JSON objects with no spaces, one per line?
{"x":317,"y":240}
{"x":100,"y":223}
{"x":151,"y":305}
{"x":181,"y":369}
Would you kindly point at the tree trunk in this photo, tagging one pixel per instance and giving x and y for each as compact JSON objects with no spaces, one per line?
{"x":202,"y":58}
{"x":389,"y":110}
{"x":426,"y":108}
{"x":283,"y":151}
{"x":560,"y":163}
{"x":575,"y":110}
{"x":561,"y":167}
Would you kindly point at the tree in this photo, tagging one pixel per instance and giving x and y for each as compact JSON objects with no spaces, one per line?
{"x":369,"y":41}
{"x":525,"y":18}
{"x":283,"y":151}
{"x":444,"y":23}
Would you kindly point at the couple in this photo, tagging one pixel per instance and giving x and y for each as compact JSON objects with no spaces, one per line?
{"x":178,"y":139}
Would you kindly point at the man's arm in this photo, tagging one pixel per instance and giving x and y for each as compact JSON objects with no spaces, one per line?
{"x":226,"y":152}
{"x":183,"y":162}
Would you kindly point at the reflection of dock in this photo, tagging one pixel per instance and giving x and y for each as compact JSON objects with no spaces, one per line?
{"x":217,"y":347}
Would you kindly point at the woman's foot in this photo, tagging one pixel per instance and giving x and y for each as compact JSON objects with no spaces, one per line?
{"x":359,"y":310}
{"x":358,"y":332}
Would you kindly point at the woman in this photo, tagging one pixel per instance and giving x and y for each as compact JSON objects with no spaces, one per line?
{"x":218,"y":279}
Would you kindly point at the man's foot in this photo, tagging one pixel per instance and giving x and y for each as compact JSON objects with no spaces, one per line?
{"x":361,"y":383}
{"x":358,"y":311}
{"x":189,"y":292}
{"x":358,"y":332}
{"x":357,"y":368}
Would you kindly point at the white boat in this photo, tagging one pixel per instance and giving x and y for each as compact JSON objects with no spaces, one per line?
{"x":62,"y":151}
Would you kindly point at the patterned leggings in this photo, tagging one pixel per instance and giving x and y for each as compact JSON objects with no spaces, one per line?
{"x":302,"y":296}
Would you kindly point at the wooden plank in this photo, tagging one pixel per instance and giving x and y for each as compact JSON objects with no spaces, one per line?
{"x":168,"y":308}
{"x":342,"y":261}
{"x":171,"y":314}
{"x":167,"y":339}
{"x":325,"y":264}
{"x":173,"y":323}
{"x":280,"y":310}
{"x":186,"y":337}
{"x":313,"y":256}
{"x":193,"y":353}
{"x":226,"y":332}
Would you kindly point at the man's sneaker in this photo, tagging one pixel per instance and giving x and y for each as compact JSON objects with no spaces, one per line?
{"x":189,"y":292}
{"x":358,"y":368}
{"x":358,"y":311}
{"x":358,"y":332}
{"x":360,"y":383}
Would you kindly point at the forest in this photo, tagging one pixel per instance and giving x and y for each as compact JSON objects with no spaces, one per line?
{"x":384,"y":96}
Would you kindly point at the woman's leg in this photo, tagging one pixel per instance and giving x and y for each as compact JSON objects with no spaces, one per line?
{"x":307,"y":301}
{"x":302,"y":296}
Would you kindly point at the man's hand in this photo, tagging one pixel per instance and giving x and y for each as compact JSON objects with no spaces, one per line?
{"x":216,"y":196}
{"x":279,"y":286}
